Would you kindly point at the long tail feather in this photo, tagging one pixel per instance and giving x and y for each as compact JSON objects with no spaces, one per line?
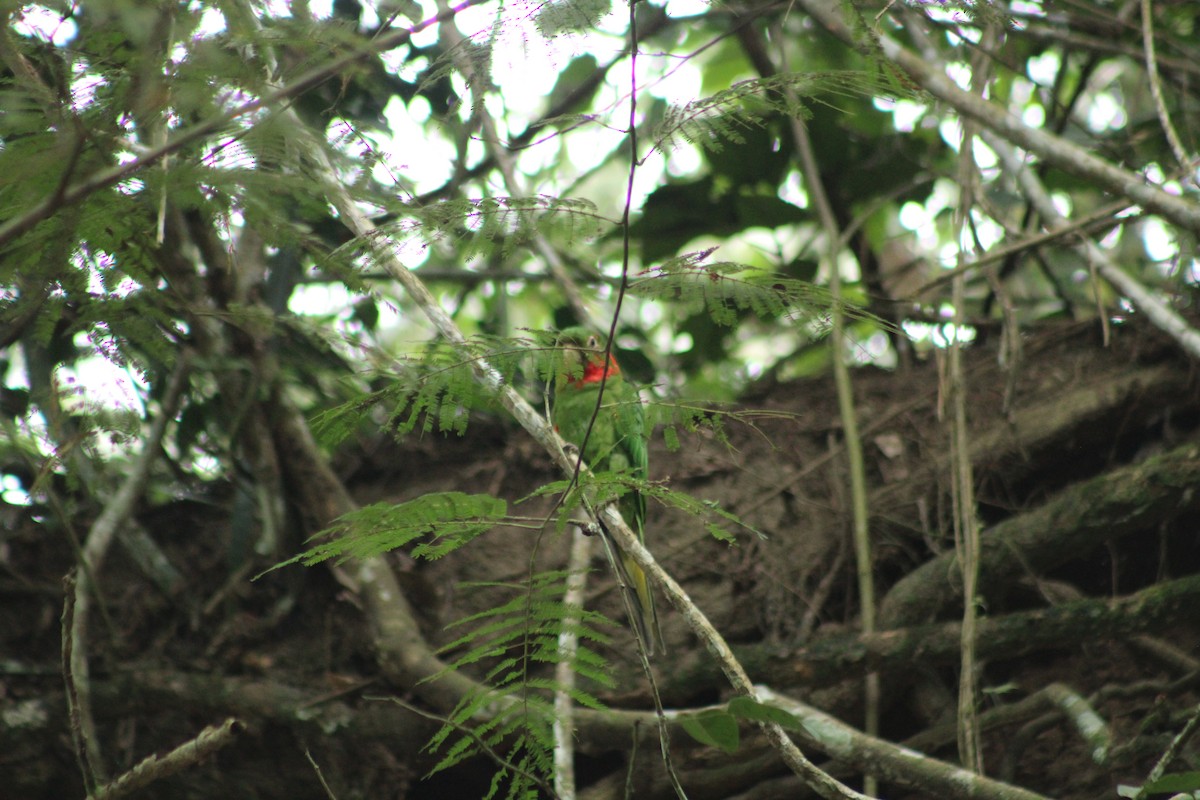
{"x":637,"y":591}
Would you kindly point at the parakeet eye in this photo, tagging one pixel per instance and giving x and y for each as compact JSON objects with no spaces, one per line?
{"x":593,"y":343}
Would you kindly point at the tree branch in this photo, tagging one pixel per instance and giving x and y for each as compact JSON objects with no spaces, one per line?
{"x":1058,"y":151}
{"x":94,"y":549}
{"x":1160,"y":104}
{"x":891,"y":762}
{"x":1080,"y":517}
{"x":1159,"y":313}
{"x":188,"y":754}
{"x":1004,"y":637}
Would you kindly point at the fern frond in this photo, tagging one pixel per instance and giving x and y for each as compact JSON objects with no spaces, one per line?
{"x":435,"y":389}
{"x":515,"y":713}
{"x":521,"y":628}
{"x":334,"y":425}
{"x":516,"y":735}
{"x":452,"y":519}
{"x":670,"y":417}
{"x":557,"y":17}
{"x":716,"y":520}
{"x":580,"y":697}
{"x":598,"y":487}
{"x":604,"y":487}
{"x":494,"y":226}
{"x":726,"y":289}
{"x":711,"y":121}
{"x":534,"y":612}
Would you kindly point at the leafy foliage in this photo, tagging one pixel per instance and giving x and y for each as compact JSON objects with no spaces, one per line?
{"x":493,"y":226}
{"x":725,"y":290}
{"x":719,"y":727}
{"x":570,"y":16}
{"x":711,"y":122}
{"x":509,"y":639}
{"x":1181,"y":784}
{"x":438,"y":388}
{"x":450,"y":520}
{"x":602,"y":487}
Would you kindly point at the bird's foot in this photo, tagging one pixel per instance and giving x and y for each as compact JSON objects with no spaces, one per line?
{"x":588,"y":527}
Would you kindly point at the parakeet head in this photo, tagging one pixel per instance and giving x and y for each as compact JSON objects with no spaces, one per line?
{"x":582,"y":363}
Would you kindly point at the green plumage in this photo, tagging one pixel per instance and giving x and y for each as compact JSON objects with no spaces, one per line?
{"x":617,"y":443}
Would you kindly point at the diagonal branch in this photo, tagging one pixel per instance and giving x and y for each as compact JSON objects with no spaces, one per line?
{"x":891,"y":762}
{"x":1054,"y":149}
{"x":1151,"y":304}
{"x":154,"y":768}
{"x":1160,"y":104}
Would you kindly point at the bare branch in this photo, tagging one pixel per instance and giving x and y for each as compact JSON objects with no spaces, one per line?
{"x":1158,"y":312}
{"x":188,"y":754}
{"x":101,"y":535}
{"x":889,"y":761}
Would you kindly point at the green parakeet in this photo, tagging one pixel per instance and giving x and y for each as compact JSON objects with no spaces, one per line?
{"x":617,"y":443}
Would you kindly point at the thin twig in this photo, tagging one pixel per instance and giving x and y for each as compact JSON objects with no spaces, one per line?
{"x":1098,"y":221}
{"x":613,"y":537}
{"x":100,"y":536}
{"x":966,"y":525}
{"x":1172,"y":750}
{"x":82,"y":747}
{"x":320,"y":777}
{"x":1160,"y":104}
{"x":188,"y":754}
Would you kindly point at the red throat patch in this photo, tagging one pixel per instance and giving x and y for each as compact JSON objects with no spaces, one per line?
{"x":594,"y":372}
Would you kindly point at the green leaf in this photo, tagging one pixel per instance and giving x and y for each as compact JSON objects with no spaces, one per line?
{"x":713,"y":728}
{"x":763,"y":156}
{"x":754,"y":711}
{"x":727,"y":290}
{"x":1174,"y":782}
{"x":570,"y":78}
{"x":671,"y":438}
